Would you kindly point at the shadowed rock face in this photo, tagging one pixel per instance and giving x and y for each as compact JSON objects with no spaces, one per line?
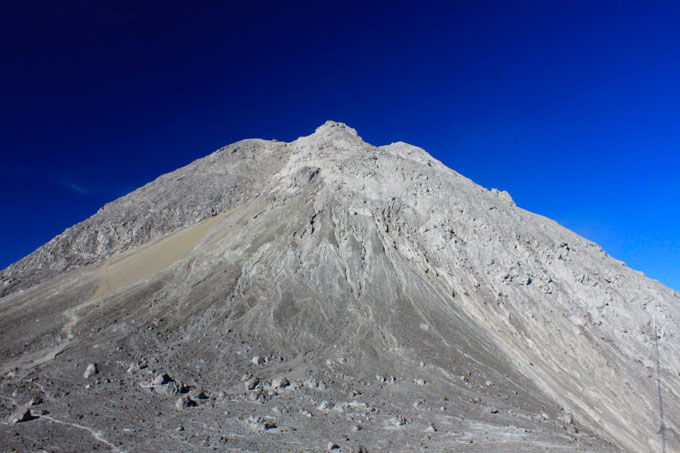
{"x":287,"y":296}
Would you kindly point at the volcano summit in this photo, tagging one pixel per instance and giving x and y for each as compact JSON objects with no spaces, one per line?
{"x":330,"y":294}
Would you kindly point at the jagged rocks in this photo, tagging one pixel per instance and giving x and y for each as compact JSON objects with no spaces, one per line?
{"x":385,"y":380}
{"x":257,"y":423}
{"x":280,"y":383}
{"x":164,"y":384}
{"x":313,"y":384}
{"x":398,"y":421}
{"x":325,"y":406}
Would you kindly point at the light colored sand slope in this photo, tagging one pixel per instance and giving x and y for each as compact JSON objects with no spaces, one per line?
{"x":142,"y":262}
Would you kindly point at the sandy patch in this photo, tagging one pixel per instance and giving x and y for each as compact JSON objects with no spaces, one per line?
{"x":142,"y":262}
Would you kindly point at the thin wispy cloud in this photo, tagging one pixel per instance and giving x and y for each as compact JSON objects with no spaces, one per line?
{"x":74,"y":187}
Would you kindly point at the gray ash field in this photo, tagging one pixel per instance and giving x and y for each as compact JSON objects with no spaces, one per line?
{"x":327,"y":294}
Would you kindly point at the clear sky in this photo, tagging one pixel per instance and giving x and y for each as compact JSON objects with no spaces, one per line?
{"x":572,"y":107}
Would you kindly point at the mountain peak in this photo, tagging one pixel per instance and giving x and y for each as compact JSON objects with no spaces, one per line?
{"x":335,"y":128}
{"x":330,"y":134}
{"x":404,"y":279}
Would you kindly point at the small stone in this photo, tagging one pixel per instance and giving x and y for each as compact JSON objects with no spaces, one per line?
{"x":269,"y":425}
{"x":23,"y":414}
{"x":259,"y":424}
{"x":255,"y":423}
{"x":162,"y":379}
{"x":202,"y":396}
{"x":171,"y":388}
{"x":90,"y":371}
{"x":333,"y":446}
{"x":279,"y":383}
{"x":420,"y":382}
{"x":431,"y":429}
{"x":252,"y":383}
{"x":258,"y":396}
{"x":324,"y":406}
{"x":185,"y":402}
{"x":257,"y":360}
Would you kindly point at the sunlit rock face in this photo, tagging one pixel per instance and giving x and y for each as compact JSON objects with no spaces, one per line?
{"x":328,"y":293}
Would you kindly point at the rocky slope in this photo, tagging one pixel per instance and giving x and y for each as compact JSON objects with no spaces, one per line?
{"x":327,"y":293}
{"x":226,"y":178}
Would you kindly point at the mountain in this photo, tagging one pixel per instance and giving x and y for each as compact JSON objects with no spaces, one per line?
{"x":330,"y":294}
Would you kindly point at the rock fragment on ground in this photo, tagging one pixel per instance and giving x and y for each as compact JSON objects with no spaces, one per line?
{"x":90,"y":371}
{"x":22,"y":414}
{"x":251,"y":383}
{"x":185,"y":402}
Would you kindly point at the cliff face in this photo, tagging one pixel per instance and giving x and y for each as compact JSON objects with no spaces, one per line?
{"x":403,"y":304}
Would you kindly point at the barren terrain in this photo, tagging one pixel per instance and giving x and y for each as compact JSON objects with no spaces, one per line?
{"x":330,"y":294}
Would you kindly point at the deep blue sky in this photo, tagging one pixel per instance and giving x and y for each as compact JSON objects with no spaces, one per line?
{"x":574,"y":108}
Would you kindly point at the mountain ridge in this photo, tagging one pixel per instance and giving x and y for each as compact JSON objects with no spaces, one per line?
{"x":92,"y":250}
